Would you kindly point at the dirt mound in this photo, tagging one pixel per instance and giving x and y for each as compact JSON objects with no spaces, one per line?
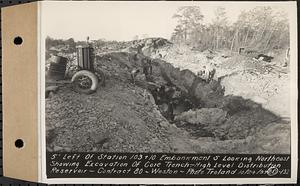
{"x":152,"y":47}
{"x":119,"y":117}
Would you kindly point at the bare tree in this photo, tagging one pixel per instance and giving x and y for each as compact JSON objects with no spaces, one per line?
{"x":190,"y":21}
{"x":219,"y":24}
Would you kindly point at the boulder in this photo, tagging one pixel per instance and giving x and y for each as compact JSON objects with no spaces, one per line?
{"x":204,"y":116}
{"x":187,"y":78}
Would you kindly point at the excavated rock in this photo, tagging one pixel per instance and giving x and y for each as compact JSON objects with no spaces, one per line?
{"x":204,"y":116}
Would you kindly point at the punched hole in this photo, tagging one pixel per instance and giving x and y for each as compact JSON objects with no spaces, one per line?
{"x":19,"y":143}
{"x":18,"y":40}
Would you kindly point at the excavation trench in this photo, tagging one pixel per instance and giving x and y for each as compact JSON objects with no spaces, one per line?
{"x":171,"y":102}
{"x":188,"y":101}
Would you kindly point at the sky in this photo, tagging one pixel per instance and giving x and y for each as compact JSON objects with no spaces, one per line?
{"x":121,"y":21}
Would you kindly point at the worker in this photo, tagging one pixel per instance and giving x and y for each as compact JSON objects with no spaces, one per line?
{"x":211,"y":74}
{"x":133,"y":74}
{"x":205,"y":73}
{"x":138,"y":47}
{"x":147,"y":69}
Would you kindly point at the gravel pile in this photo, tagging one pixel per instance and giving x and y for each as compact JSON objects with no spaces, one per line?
{"x":117,"y":118}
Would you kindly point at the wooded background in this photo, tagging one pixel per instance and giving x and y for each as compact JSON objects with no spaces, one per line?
{"x":261,"y":28}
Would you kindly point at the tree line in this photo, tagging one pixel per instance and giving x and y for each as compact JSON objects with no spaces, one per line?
{"x":260,"y":28}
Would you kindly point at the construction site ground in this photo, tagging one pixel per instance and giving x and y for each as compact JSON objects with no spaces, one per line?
{"x":243,"y":109}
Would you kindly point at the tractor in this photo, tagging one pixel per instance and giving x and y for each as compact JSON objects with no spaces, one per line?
{"x":86,"y":80}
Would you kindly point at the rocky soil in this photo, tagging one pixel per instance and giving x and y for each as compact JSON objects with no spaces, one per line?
{"x":242,"y":110}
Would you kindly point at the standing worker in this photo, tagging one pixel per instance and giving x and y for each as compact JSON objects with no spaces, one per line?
{"x":147,"y":69}
{"x":133,"y":74}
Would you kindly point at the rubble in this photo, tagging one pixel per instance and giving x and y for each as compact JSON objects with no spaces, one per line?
{"x":263,"y":57}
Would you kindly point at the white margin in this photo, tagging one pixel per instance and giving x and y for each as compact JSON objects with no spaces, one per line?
{"x":42,"y":96}
{"x":39,"y":87}
{"x":294,"y":89}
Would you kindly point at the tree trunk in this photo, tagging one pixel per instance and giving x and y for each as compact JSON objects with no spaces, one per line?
{"x":237,"y":39}
{"x":231,"y":47}
{"x":253,"y":38}
{"x":262,"y":33}
{"x":279,"y":38}
{"x":269,"y":38}
{"x":217,"y":39}
{"x":213,"y":40}
{"x":246,"y":37}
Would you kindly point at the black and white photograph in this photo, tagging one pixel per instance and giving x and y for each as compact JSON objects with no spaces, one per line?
{"x":169,"y":78}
